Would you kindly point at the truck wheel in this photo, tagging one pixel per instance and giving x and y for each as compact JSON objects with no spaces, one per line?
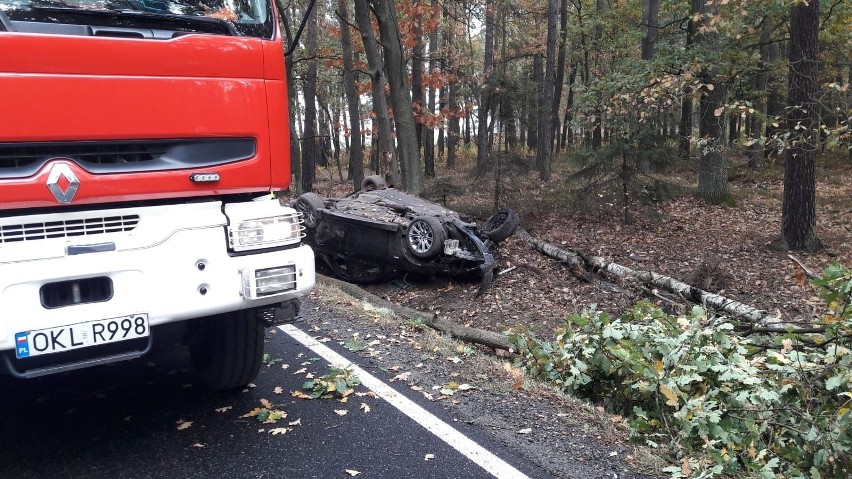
{"x":502,"y":224}
{"x":231,"y":352}
{"x":425,"y":237}
{"x":308,"y":204}
{"x":374,"y":182}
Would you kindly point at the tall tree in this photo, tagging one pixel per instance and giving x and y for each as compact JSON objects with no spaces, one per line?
{"x":451,"y":89}
{"x":292,"y":98}
{"x":310,"y":152}
{"x":798,"y":210}
{"x":356,"y":153}
{"x":429,"y":130}
{"x":544,"y":154}
{"x":411,"y":166}
{"x":380,"y":105}
{"x":417,"y":94}
{"x":755,"y":151}
{"x":712,"y":159}
{"x":483,"y":135}
{"x":650,"y":15}
{"x":560,"y":68}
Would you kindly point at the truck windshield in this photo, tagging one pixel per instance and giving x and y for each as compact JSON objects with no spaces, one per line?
{"x":248,"y":17}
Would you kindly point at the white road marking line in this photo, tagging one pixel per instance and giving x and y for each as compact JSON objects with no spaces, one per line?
{"x":458,"y":441}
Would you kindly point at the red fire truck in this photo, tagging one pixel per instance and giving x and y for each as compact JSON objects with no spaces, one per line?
{"x":139,"y":143}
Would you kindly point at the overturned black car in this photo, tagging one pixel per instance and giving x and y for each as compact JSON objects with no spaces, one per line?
{"x":378,"y":233}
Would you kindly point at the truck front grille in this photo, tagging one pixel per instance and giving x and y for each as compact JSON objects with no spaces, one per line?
{"x":67,"y":228}
{"x":20,"y":160}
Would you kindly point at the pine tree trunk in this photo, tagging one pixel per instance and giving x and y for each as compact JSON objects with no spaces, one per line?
{"x":483,"y":134}
{"x":292,"y":102}
{"x":798,"y":210}
{"x":356,"y":154}
{"x":411,"y":166}
{"x":560,"y":72}
{"x":309,"y":131}
{"x":429,"y":130}
{"x":755,"y":150}
{"x":383,"y":145}
{"x":544,"y":154}
{"x":713,"y":160}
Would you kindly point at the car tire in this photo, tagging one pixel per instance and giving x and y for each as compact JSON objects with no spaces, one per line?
{"x":502,"y":224}
{"x":425,"y":237}
{"x":374,"y":182}
{"x":230,"y":353}
{"x":309,"y":204}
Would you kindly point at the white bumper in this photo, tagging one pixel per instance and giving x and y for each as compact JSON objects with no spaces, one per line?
{"x":174,"y":265}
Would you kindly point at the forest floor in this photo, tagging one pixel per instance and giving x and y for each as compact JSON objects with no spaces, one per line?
{"x":671,"y":232}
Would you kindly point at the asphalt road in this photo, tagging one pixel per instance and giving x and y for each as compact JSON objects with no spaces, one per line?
{"x":129,"y":420}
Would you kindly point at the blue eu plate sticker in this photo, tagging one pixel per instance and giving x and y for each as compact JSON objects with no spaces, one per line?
{"x":22,"y":345}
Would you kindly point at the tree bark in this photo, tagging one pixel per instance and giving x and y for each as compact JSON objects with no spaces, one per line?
{"x":544,"y":154}
{"x":292,"y":101}
{"x":755,"y":151}
{"x":798,"y":210}
{"x":650,"y":14}
{"x":356,"y":153}
{"x":417,"y":96}
{"x":410,"y":163}
{"x":451,"y":88}
{"x":560,"y":73}
{"x":429,"y":130}
{"x":380,"y":105}
{"x":483,"y":135}
{"x":712,"y":158}
{"x":309,"y":131}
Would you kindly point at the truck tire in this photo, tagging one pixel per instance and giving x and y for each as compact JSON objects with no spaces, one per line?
{"x":502,"y":224}
{"x":230,"y":354}
{"x":309,"y":204}
{"x":425,"y":237}
{"x":374,"y":182}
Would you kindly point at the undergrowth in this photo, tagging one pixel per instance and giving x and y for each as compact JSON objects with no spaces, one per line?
{"x":718,"y":402}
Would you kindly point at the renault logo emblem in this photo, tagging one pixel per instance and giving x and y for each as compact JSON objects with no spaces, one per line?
{"x":62,"y":182}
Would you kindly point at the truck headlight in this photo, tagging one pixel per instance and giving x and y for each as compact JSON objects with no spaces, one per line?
{"x":248,"y":231}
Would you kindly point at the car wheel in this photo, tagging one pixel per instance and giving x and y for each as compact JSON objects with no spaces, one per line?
{"x":374,"y":182}
{"x":309,"y":204}
{"x":501,"y":225}
{"x":425,"y":237}
{"x":231,"y":350}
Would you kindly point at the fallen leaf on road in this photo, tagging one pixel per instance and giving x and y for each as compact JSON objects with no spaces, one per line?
{"x":352,"y":472}
{"x":365,"y":407}
{"x":198,"y":444}
{"x":278,"y":390}
{"x":341,"y":412}
{"x":266,"y":403}
{"x":223,"y":409}
{"x":401,"y":377}
{"x":181,"y":424}
{"x":279,"y":430}
{"x":429,"y":456}
{"x":525,"y":430}
{"x":297,"y":422}
{"x":251,"y":385}
{"x":301,"y":371}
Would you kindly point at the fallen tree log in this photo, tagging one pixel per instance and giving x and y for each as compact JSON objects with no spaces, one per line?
{"x":458,"y":331}
{"x":759,"y":320}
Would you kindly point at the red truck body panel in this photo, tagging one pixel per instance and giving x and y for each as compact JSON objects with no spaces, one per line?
{"x":101,"y":89}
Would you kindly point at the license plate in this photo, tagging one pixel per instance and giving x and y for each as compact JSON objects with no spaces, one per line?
{"x":81,"y":335}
